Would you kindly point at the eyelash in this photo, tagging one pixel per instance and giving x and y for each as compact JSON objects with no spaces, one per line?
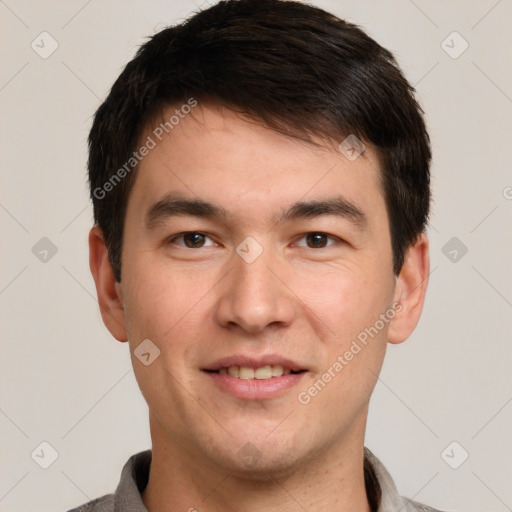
{"x":181,"y":235}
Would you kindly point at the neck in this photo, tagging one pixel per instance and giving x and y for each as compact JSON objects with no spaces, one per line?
{"x":333,"y":480}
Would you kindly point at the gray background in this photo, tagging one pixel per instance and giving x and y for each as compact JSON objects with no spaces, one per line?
{"x":66,"y":382}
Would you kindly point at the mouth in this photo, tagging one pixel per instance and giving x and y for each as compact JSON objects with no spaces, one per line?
{"x":255,"y":378}
{"x":262,"y":373}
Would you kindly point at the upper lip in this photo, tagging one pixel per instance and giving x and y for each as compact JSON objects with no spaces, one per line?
{"x":254,"y":362}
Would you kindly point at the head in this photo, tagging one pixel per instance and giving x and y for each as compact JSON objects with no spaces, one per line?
{"x":235,"y":124}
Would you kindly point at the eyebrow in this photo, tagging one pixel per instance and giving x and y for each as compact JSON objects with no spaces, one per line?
{"x":174,"y":205}
{"x":338,"y":206}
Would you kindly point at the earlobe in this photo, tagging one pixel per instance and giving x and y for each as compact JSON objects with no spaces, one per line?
{"x":108,"y":291}
{"x":410,"y":291}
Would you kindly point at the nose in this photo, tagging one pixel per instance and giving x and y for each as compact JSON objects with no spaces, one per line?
{"x":255,"y":295}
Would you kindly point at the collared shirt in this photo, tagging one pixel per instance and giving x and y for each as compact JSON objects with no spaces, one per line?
{"x":382,"y":493}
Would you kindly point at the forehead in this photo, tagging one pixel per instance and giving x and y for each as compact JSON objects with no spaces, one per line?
{"x":216,"y":155}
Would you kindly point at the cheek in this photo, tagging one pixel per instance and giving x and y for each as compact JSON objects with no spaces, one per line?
{"x":167,"y":305}
{"x":354,"y":350}
{"x":168,"y":309}
{"x":349,"y":306}
{"x":346,"y":301}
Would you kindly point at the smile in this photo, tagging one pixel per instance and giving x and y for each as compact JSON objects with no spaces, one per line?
{"x":262,"y":373}
{"x":255,"y":377}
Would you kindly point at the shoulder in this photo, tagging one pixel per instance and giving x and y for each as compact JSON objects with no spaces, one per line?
{"x":103,"y":504}
{"x":134,"y":478}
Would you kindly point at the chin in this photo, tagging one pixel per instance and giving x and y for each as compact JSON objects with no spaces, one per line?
{"x":260,"y":460}
{"x":265,"y":469}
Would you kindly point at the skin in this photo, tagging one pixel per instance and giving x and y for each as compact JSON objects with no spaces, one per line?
{"x":297,"y":300}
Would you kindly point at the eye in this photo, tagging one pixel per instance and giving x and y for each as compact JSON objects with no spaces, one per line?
{"x":191,"y":240}
{"x":318,"y":240}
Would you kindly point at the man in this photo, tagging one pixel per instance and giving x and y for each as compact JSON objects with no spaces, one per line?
{"x":260,"y":181}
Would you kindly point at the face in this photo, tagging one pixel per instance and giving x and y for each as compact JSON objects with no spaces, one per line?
{"x":260,"y":267}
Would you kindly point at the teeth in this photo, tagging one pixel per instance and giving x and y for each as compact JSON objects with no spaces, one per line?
{"x":233,"y":371}
{"x":246,"y":373}
{"x":277,"y":370}
{"x":262,"y":373}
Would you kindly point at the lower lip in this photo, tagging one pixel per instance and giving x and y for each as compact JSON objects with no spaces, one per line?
{"x":255,"y":389}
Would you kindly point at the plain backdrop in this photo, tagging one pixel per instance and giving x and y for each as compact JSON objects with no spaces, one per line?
{"x":66,"y":382}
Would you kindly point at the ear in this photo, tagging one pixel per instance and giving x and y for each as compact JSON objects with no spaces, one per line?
{"x":410,"y":290}
{"x":108,"y":290}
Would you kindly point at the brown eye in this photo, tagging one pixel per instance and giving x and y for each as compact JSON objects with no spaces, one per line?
{"x":318,"y":240}
{"x":191,"y":240}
